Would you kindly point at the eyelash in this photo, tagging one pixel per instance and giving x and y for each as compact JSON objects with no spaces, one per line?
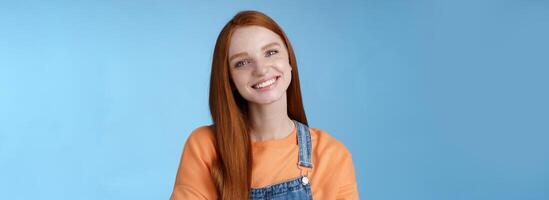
{"x":240,"y":63}
{"x":275,"y":52}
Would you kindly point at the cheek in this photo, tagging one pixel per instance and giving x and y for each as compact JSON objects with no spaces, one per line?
{"x":239,"y":79}
{"x":286,"y":69}
{"x":284,"y":64}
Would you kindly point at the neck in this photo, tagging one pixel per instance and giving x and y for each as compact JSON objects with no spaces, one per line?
{"x":270,"y":121}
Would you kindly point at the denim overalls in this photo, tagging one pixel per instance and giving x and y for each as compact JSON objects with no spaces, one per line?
{"x":296,"y":188}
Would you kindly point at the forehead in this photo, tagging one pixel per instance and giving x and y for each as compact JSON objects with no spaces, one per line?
{"x":251,"y":38}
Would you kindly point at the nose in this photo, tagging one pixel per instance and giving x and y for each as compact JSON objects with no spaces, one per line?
{"x":262,"y":67}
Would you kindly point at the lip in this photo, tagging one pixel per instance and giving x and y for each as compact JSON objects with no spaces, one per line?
{"x":268,"y":88}
{"x":265,"y":79}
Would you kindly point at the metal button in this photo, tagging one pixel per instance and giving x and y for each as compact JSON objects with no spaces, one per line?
{"x":305,"y":180}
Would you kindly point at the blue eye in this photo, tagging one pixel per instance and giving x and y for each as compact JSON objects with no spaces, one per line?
{"x":242,"y":63}
{"x":271,"y":52}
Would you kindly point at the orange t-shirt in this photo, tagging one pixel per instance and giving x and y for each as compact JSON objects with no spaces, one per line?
{"x":274,"y":161}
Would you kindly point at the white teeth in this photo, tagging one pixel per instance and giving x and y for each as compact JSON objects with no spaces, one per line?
{"x":265,"y":84}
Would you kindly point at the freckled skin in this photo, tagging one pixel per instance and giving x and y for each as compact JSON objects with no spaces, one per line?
{"x":259,"y":64}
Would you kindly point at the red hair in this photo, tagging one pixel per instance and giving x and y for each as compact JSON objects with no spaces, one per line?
{"x":232,"y":170}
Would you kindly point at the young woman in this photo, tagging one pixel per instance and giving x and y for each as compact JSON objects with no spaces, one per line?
{"x":259,"y":145}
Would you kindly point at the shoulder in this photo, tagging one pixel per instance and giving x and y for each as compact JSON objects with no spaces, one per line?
{"x":201,"y":134}
{"x":326,"y":144}
{"x":330,"y":156}
{"x":201,"y":141}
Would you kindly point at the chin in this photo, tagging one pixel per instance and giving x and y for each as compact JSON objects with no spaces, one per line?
{"x":266,"y":99}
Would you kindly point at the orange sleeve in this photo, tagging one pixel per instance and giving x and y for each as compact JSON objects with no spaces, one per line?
{"x":193,"y":180}
{"x":347,"y":184}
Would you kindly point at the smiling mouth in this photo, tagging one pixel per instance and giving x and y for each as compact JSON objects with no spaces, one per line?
{"x":266,"y":83}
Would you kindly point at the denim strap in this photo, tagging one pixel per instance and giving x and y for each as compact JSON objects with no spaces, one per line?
{"x":304,"y":143}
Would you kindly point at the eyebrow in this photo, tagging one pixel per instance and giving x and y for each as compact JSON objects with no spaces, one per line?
{"x":244,"y":53}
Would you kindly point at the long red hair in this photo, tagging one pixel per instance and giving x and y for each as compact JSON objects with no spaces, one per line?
{"x":232,"y":172}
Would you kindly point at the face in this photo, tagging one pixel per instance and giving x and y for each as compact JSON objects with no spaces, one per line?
{"x":259,"y":64}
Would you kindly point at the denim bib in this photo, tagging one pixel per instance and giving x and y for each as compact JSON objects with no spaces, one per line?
{"x":299,"y":187}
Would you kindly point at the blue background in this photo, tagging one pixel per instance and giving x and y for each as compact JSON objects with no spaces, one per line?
{"x":434,"y":99}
